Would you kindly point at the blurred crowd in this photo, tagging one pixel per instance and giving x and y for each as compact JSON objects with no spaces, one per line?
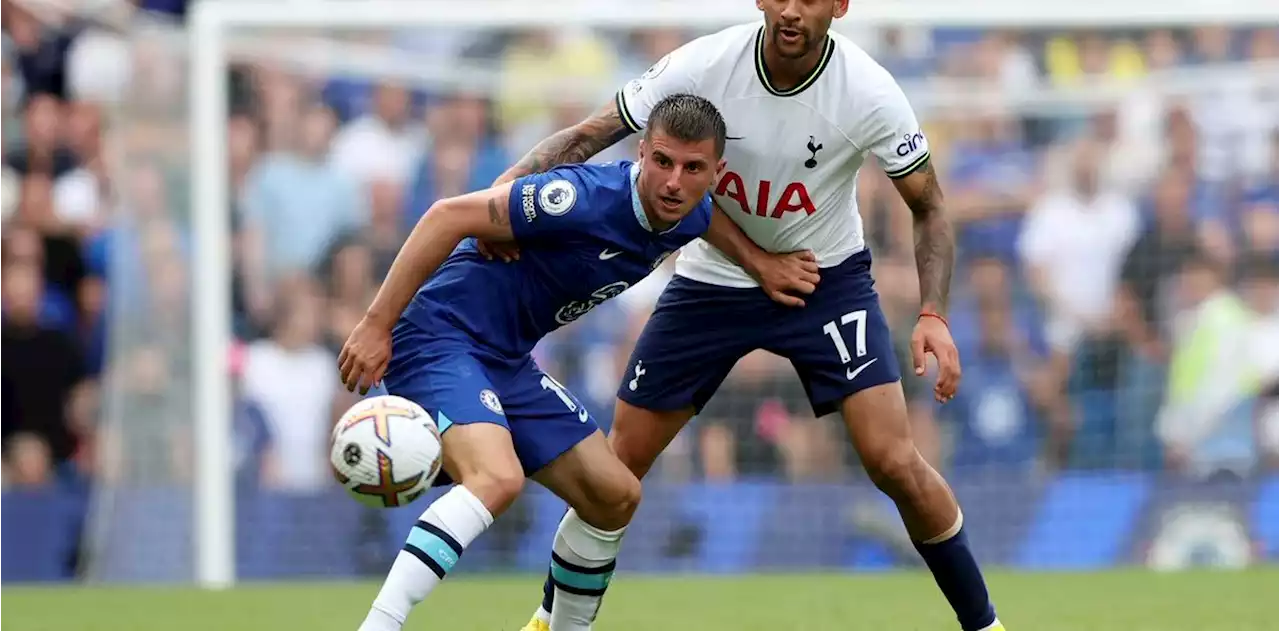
{"x":1115,"y":302}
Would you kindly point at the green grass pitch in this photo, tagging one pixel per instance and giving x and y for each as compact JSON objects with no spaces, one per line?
{"x":1110,"y":601}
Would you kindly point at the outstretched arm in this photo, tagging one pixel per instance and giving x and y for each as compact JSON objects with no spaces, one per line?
{"x":483,"y":214}
{"x":934,"y":237}
{"x":574,"y":144}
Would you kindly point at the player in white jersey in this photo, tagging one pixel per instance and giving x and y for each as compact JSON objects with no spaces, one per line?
{"x":804,"y":107}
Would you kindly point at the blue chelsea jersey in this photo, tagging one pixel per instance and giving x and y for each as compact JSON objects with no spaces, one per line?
{"x":584,"y":238}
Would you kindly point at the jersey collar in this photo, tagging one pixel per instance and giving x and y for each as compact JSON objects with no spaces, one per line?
{"x":638,"y":208}
{"x":762,"y":71}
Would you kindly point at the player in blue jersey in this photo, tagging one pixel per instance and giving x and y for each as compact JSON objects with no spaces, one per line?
{"x":458,"y":344}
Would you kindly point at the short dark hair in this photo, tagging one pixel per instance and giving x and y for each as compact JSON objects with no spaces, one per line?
{"x":688,"y":118}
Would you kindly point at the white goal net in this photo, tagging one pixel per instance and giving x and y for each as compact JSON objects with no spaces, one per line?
{"x":267,"y":159}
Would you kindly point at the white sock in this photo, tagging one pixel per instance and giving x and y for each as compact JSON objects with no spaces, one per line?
{"x":542,"y":614}
{"x":582,"y":564}
{"x":435,"y":543}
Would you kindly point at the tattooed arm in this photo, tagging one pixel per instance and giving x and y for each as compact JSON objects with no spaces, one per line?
{"x":934,"y":237}
{"x":574,"y":144}
{"x":483,"y":214}
{"x":935,"y":258}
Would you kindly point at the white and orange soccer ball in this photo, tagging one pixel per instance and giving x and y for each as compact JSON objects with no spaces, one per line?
{"x":386,"y":451}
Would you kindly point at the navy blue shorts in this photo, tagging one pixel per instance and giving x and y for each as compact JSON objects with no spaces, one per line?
{"x":458,"y":383}
{"x":838,"y":342}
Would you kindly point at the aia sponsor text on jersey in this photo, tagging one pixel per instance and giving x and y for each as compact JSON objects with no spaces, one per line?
{"x":766,"y":199}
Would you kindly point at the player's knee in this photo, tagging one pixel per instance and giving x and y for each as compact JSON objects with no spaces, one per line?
{"x":624,"y":502}
{"x":496,"y":486}
{"x":613,"y":506}
{"x":896,"y":470}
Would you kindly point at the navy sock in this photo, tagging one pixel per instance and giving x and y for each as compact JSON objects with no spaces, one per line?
{"x":548,"y":593}
{"x":960,"y":580}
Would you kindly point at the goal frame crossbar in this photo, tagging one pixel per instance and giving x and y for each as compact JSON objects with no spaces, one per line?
{"x":210,"y":22}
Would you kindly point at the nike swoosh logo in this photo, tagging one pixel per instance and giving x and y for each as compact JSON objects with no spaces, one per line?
{"x":851,"y":373}
{"x":606,"y":255}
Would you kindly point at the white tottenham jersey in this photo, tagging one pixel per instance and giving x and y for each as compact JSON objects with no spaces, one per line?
{"x":792,"y":156}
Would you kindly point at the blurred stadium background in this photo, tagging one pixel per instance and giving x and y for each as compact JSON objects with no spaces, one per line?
{"x":1114,"y":187}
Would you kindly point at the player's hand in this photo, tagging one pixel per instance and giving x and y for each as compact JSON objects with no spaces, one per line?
{"x":781,"y":276}
{"x":365,"y":356}
{"x":507,"y":252}
{"x":933,"y":337}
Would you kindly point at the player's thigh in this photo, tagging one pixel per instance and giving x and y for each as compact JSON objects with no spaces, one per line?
{"x":880,"y":429}
{"x":639,"y":436}
{"x":591,"y":479}
{"x":545,"y":418}
{"x":840,"y":343}
{"x":696,"y":334}
{"x":446,"y":379}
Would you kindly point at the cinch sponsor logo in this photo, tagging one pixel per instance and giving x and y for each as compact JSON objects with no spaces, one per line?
{"x":910,"y":142}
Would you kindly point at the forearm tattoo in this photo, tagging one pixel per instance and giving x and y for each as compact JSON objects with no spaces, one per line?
{"x":934,"y":240}
{"x":575,"y":144}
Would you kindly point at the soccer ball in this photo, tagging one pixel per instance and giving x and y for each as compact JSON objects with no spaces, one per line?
{"x":386,"y":451}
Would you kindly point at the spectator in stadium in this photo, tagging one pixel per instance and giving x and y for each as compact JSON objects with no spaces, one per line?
{"x":295,"y":204}
{"x":23,"y":246}
{"x":1231,"y":118}
{"x":383,"y":143}
{"x":1207,"y":423}
{"x":252,"y":443}
{"x":349,"y":271}
{"x":1011,"y":412}
{"x":50,"y":365}
{"x":1072,"y":247}
{"x":1259,"y":228}
{"x":460,"y":156}
{"x":1260,"y":289}
{"x":41,"y":50}
{"x":1149,"y":279}
{"x":41,"y":149}
{"x":993,"y":179}
{"x":540,"y":64}
{"x":904,"y":53}
{"x":153,"y":383}
{"x":1090,"y":58}
{"x":1002,"y":60}
{"x":27,"y":462}
{"x":294,"y":380}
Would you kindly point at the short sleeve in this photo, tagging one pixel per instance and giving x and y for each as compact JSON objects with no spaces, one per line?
{"x":676,"y":73}
{"x":551,"y":204}
{"x":892,"y":133}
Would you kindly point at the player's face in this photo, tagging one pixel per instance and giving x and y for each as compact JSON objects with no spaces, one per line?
{"x":675,"y":175}
{"x":799,"y":27}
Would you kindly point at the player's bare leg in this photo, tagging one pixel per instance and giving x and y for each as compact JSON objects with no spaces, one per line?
{"x":481,"y":458}
{"x":602,"y":495}
{"x":878,"y":425}
{"x":637,"y":439}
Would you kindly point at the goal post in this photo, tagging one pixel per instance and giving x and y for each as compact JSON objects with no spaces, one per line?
{"x":213,"y":515}
{"x":213,"y":23}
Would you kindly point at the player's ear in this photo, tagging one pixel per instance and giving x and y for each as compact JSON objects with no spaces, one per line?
{"x":842,"y":7}
{"x":643,"y":148}
{"x":720,"y":166}
{"x":760,"y":4}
